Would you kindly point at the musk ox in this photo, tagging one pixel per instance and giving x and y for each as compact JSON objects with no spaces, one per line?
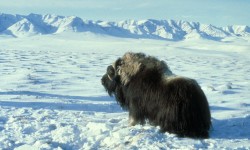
{"x":146,"y":87}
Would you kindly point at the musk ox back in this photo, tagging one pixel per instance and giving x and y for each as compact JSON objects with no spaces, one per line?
{"x":147,"y":88}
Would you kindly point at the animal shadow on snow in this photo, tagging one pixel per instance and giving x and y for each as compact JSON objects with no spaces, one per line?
{"x":79,"y":103}
{"x":232,"y":128}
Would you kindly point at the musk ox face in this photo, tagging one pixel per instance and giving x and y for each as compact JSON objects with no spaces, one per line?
{"x":147,"y":88}
{"x":108,"y":80}
{"x":111,"y":79}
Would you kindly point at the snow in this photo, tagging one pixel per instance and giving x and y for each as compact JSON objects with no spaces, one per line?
{"x":51,"y":96}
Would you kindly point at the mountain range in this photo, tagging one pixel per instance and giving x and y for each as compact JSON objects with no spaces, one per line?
{"x":36,"y":24}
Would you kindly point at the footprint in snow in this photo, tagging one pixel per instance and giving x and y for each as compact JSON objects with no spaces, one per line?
{"x":29,"y":130}
{"x":52,"y":127}
{"x":114,"y":120}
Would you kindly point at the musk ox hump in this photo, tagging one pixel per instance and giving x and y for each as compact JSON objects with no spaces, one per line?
{"x":133,"y":63}
{"x":128,"y":70}
{"x":128,"y":66}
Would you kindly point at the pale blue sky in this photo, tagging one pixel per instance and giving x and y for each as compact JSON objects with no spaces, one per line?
{"x":216,"y":12}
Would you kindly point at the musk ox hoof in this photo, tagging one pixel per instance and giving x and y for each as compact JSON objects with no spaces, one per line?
{"x":146,"y":87}
{"x":132,"y":121}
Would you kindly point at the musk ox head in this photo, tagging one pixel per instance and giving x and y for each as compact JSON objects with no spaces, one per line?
{"x":131,"y":65}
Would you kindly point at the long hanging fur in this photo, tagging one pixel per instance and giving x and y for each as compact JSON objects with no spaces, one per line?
{"x":147,"y":88}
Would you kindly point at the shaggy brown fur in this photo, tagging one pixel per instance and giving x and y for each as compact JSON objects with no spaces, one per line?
{"x":147,"y":88}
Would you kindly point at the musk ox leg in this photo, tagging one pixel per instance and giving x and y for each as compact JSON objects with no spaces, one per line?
{"x":132,"y":120}
{"x":135,"y":116}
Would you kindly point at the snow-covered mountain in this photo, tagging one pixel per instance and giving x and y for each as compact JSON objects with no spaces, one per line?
{"x":33,"y":24}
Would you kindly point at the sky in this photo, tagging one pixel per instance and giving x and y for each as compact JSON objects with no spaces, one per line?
{"x":215,"y":12}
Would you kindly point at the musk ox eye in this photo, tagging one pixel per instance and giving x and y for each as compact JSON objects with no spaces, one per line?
{"x":118,"y":63}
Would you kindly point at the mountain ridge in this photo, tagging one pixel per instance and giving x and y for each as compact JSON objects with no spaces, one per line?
{"x":36,"y":24}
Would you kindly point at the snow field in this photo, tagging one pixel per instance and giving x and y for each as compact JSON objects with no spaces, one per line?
{"x":51,"y":96}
